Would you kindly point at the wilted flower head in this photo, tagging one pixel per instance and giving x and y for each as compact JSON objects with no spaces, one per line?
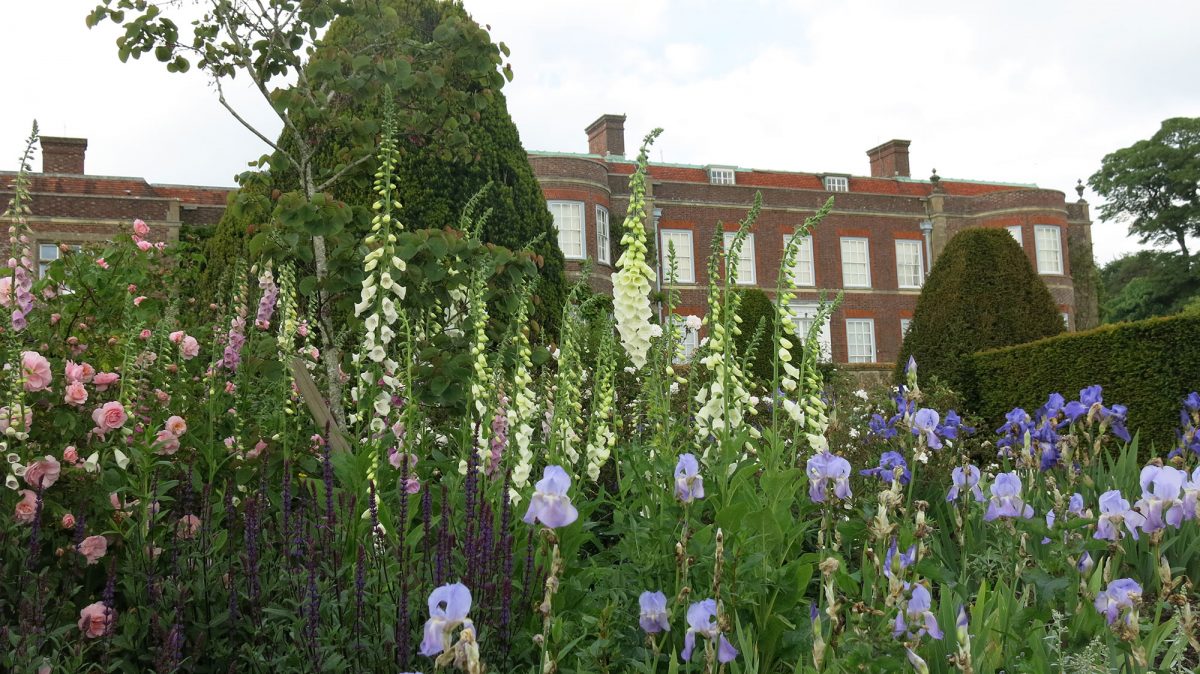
{"x":689,"y":485}
{"x":1121,"y":595}
{"x":965,"y":478}
{"x":702,"y":620}
{"x":1006,"y":498}
{"x":653,"y":618}
{"x":550,"y":504}
{"x":448,"y":608}
{"x":822,"y":469}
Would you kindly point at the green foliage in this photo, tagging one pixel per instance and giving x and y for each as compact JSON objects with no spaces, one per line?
{"x":982,"y":293}
{"x":1149,"y":366}
{"x":756,"y":315}
{"x":1146,"y":284}
{"x":247,"y":210}
{"x":1152,"y":185}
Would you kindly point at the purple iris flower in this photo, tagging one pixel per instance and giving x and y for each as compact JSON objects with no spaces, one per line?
{"x":1090,"y":399}
{"x":1075,"y":505}
{"x":1006,"y":499}
{"x":550,"y":504}
{"x":448,"y":608}
{"x":918,"y":663}
{"x":823,"y":468}
{"x":965,"y":477}
{"x":653,"y":618}
{"x":689,"y":485}
{"x":886,"y":471}
{"x":1191,"y":496}
{"x":1115,"y":416}
{"x":702,"y":620}
{"x":1085,"y":564}
{"x":953,"y":426}
{"x":1161,"y":503}
{"x":1017,"y":423}
{"x":901,"y":559}
{"x":925,"y":425}
{"x":962,"y":625}
{"x":881,"y":427}
{"x":917,"y":614}
{"x":1192,"y":402}
{"x":1054,"y":404}
{"x":1121,"y":595}
{"x":1113,"y":511}
{"x":1050,"y":519}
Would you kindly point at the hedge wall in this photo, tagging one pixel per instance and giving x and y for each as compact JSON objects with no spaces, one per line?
{"x":1147,"y":365}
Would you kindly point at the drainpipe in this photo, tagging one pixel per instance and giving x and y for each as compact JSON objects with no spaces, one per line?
{"x":927,"y":232}
{"x":658,"y":277}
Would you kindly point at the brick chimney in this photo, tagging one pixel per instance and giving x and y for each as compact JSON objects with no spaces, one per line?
{"x":606,"y":135}
{"x":63,"y":155}
{"x":890,"y":159}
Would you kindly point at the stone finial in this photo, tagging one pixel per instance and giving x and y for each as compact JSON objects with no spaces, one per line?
{"x":936,"y":181}
{"x":1079,"y":188}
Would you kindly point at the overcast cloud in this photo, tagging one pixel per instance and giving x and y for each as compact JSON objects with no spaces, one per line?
{"x":1031,"y":92}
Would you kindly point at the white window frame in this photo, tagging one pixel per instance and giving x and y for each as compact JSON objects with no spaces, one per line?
{"x":904,"y":324}
{"x":806,"y":314}
{"x":1049,"y":260}
{"x":851,"y":356}
{"x":837,"y":184}
{"x":685,"y":273}
{"x":689,"y":340}
{"x":603,"y":238}
{"x":1066,"y":316}
{"x":722,"y":175}
{"x":562,"y":203}
{"x":747,"y":275}
{"x":846,"y":283}
{"x":44,"y":262}
{"x":804,"y":256}
{"x":1017,"y":234}
{"x":901,"y":281}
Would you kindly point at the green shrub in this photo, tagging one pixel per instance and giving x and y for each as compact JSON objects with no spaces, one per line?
{"x":754,"y":342}
{"x":982,"y":293}
{"x":1149,"y":366}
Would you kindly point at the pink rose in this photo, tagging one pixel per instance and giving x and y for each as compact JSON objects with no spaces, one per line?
{"x":141,"y":228}
{"x":109,"y":417}
{"x":27,"y":507}
{"x":43,"y":473}
{"x":93,"y":548}
{"x":230,"y":387}
{"x":257,"y":451}
{"x":45,"y":669}
{"x":70,"y":454}
{"x":187,"y":527}
{"x":68,"y":521}
{"x":97,"y":620}
{"x":162,"y":396}
{"x":132,"y":288}
{"x":176,"y":337}
{"x":176,"y":425}
{"x":190,"y":348}
{"x":55,"y":318}
{"x":144,"y":335}
{"x":36,"y":371}
{"x":105,"y":379}
{"x":76,"y":394}
{"x":166,"y":442}
{"x":73,"y":372}
{"x":101,"y":263}
{"x":144,"y":245}
{"x":89,"y":373}
{"x":6,"y":294}
{"x":137,"y":301}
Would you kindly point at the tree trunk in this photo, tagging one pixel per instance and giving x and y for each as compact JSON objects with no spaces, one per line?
{"x":329,"y":351}
{"x":1181,"y":239}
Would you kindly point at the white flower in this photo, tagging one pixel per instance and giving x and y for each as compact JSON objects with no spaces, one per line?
{"x":11,"y":482}
{"x":92,"y":463}
{"x":656,"y":331}
{"x":861,"y":394}
{"x":122,"y":460}
{"x":692,"y":322}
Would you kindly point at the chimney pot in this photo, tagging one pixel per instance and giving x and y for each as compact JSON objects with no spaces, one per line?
{"x":63,"y":155}
{"x":606,"y":135}
{"x":890,"y":159}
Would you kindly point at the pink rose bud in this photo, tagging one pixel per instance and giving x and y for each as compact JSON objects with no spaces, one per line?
{"x":140,"y":228}
{"x":68,"y":521}
{"x":132,"y":288}
{"x":70,"y":454}
{"x":55,"y":318}
{"x":144,"y":245}
{"x":137,"y":301}
{"x":175,"y":337}
{"x":172,"y":368}
{"x":144,"y":334}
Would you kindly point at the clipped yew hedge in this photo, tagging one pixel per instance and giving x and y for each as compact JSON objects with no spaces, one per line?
{"x":1147,"y":365}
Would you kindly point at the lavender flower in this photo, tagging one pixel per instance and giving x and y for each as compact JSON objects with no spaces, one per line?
{"x":1075,"y":505}
{"x":550,"y":504}
{"x":1090,"y":401}
{"x":1113,"y":511}
{"x":1160,"y":502}
{"x":1191,"y":496}
{"x":1121,"y":596}
{"x":653,"y":617}
{"x":448,"y":608}
{"x":925,"y":426}
{"x":895,"y":558}
{"x":918,"y":614}
{"x":1017,"y":424}
{"x":965,"y":477}
{"x":702,"y":620}
{"x":1006,"y":499}
{"x":889,"y":462}
{"x":952,"y":426}
{"x":689,"y":485}
{"x":882,"y":428}
{"x":821,"y":469}
{"x":1085,"y":564}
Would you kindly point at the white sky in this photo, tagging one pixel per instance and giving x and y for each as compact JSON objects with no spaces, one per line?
{"x":1016,"y":91}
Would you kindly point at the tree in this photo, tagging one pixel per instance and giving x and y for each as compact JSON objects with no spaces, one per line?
{"x":1145,"y":284}
{"x":982,"y":293}
{"x":269,"y":42}
{"x":1154,"y":185}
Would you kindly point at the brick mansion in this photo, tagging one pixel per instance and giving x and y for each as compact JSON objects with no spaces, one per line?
{"x":877,"y":245}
